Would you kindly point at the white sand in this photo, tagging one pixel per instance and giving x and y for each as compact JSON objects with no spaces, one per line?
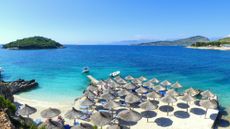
{"x":211,"y":48}
{"x":193,"y":122}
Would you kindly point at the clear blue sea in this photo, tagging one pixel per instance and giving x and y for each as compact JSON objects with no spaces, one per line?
{"x":58,"y":71}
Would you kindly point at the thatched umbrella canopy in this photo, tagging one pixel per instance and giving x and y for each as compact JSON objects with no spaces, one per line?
{"x":129,"y":78}
{"x":107,"y":96}
{"x":172,"y":92}
{"x":153,"y":95}
{"x":166,"y":83}
{"x":74,"y":114}
{"x":111,"y":105}
{"x":129,"y":115}
{"x":207,"y":94}
{"x":141,"y":90}
{"x":176,"y":85}
{"x":168,"y":99}
{"x":27,"y":110}
{"x":159,"y":88}
{"x":131,"y":98}
{"x":129,"y":86}
{"x":50,"y":124}
{"x":123,"y":92}
{"x":148,"y":106}
{"x":90,"y":94}
{"x":136,"y":81}
{"x":121,"y":81}
{"x":113,"y":85}
{"x":148,"y":83}
{"x":101,"y":118}
{"x":142,"y":78}
{"x":192,"y":91}
{"x":187,"y":98}
{"x":208,"y":104}
{"x":154,"y":80}
{"x":50,"y":113}
{"x":83,"y":126}
{"x":87,"y":102}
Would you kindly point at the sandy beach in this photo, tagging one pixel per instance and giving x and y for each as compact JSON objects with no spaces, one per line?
{"x":211,"y":48}
{"x":177,"y":123}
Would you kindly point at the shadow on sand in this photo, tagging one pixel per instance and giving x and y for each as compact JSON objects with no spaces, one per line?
{"x":197,"y":111}
{"x":181,"y":114}
{"x":163,"y":122}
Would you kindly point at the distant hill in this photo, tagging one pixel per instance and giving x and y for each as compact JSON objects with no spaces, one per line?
{"x":216,"y":43}
{"x":227,"y":39}
{"x":36,"y":42}
{"x":180,"y":42}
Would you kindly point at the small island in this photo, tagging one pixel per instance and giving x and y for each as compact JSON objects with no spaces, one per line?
{"x":36,"y":42}
{"x":221,"y":44}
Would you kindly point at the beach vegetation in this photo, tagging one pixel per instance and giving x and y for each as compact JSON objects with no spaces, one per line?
{"x":206,"y":44}
{"x":8,"y":105}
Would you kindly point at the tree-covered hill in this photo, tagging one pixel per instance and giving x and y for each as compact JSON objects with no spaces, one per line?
{"x":36,"y":42}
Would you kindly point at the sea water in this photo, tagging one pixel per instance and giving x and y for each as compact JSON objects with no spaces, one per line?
{"x":60,"y":78}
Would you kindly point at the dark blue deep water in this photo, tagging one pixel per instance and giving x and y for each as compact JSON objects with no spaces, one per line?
{"x":59,"y":71}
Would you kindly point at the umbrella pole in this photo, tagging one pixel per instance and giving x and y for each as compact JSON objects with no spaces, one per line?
{"x":206,"y":113}
{"x":167,"y":110}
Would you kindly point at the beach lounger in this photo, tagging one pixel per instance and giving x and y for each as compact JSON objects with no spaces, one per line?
{"x":67,"y":126}
{"x":37,"y":121}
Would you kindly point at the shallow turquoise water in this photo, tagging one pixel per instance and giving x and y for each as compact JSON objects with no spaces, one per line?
{"x":59,"y":71}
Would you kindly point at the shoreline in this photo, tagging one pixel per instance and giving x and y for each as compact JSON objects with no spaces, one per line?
{"x":211,"y":48}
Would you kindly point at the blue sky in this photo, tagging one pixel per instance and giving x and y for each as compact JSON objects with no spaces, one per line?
{"x":84,"y":21}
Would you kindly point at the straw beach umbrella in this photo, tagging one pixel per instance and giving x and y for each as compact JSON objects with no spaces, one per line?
{"x":154,"y":80}
{"x":148,"y":83}
{"x":111,"y":104}
{"x":141,"y":90}
{"x":129,"y":78}
{"x":136,"y":81}
{"x":159,"y":88}
{"x":166,"y":83}
{"x":187,"y":98}
{"x":131,"y":98}
{"x":129,"y":115}
{"x":74,"y":114}
{"x":192,"y":91}
{"x":153,"y":95}
{"x":26,"y":110}
{"x":129,"y":86}
{"x":208,"y":104}
{"x":50,"y":113}
{"x":123,"y":92}
{"x":101,"y":118}
{"x":148,"y":106}
{"x":87,"y":102}
{"x":172,"y":92}
{"x":176,"y":85}
{"x":83,"y":126}
{"x":107,"y":96}
{"x":207,"y":94}
{"x":168,"y":99}
{"x":142,"y":78}
{"x":50,"y":124}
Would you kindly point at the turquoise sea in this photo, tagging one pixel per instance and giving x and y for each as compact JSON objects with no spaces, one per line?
{"x":58,"y":71}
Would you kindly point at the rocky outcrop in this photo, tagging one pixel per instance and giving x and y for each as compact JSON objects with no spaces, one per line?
{"x":21,"y":85}
{"x":5,"y":122}
{"x":7,"y":89}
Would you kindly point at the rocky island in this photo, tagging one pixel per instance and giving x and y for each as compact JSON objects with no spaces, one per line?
{"x":36,"y":42}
